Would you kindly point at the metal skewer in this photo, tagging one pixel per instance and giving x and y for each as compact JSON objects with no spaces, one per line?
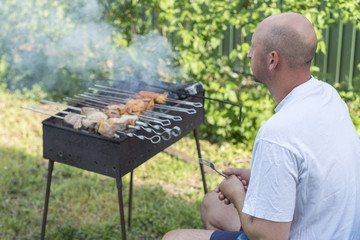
{"x":164,"y":135}
{"x":175,"y":131}
{"x":153,"y":119}
{"x":61,"y":105}
{"x":164,"y":123}
{"x":108,"y":99}
{"x":83,"y":103}
{"x":131,"y":93}
{"x":154,"y":139}
{"x":54,"y":110}
{"x":45,"y":113}
{"x":161,"y":106}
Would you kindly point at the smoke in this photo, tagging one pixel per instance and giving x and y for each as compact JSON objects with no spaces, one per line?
{"x":60,"y":45}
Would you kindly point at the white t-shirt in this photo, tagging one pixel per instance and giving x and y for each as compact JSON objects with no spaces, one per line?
{"x":306,"y":166}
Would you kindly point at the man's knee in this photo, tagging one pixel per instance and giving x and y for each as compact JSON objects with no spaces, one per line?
{"x":207,"y":209}
{"x":172,"y":235}
{"x":218,"y":216}
{"x":209,"y":200}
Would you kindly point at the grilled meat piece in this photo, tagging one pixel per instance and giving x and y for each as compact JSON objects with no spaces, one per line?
{"x":91,"y":126}
{"x":149,"y":103}
{"x":139,"y":105}
{"x":74,"y":119}
{"x":96,"y":115}
{"x":109,"y":127}
{"x":115,"y":110}
{"x":93,"y":118}
{"x":158,"y":97}
{"x":136,"y":106}
{"x":98,"y":122}
{"x":131,"y":119}
{"x":87,"y":110}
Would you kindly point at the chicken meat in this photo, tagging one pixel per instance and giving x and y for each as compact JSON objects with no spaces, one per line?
{"x":157,"y":97}
{"x":74,"y":119}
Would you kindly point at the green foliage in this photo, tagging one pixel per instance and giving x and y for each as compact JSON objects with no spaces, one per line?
{"x":257,"y":106}
{"x":353,"y":102}
{"x":65,"y":43}
{"x":196,"y":29}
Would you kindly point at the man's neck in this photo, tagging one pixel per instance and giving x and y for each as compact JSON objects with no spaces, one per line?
{"x":283,"y":85}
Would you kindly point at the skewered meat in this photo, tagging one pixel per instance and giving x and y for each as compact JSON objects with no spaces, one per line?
{"x":115,"y":110}
{"x":96,"y":116}
{"x":91,"y":126}
{"x":93,"y":118}
{"x":98,"y":122}
{"x":149,"y":103}
{"x":109,"y":127}
{"x":131,"y":119}
{"x":158,"y":97}
{"x":140,"y":105}
{"x":87,"y":110}
{"x":136,"y":106}
{"x":74,"y":119}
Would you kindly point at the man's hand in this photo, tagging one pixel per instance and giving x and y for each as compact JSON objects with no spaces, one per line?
{"x":231,"y":190}
{"x":241,"y":173}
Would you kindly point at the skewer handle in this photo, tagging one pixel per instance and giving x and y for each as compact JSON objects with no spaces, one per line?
{"x":49,"y":114}
{"x":51,"y":109}
{"x":175,"y":118}
{"x":61,"y":105}
{"x":197,"y":104}
{"x":154,"y":139}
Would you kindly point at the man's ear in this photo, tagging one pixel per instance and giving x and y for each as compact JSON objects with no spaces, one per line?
{"x":274,"y":60}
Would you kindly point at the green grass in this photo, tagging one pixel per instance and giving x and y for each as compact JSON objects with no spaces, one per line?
{"x":83,"y":205}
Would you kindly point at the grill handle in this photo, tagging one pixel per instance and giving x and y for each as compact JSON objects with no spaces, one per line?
{"x":203,"y":97}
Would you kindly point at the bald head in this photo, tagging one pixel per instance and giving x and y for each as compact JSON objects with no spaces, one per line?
{"x":290,"y":34}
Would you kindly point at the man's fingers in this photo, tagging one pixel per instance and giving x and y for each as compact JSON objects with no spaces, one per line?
{"x":232,"y":171}
{"x":221,"y":196}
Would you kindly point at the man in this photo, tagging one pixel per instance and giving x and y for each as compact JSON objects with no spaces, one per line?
{"x":304,"y":181}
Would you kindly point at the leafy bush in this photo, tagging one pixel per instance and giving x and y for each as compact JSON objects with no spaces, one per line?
{"x":196,"y":30}
{"x":353,"y":102}
{"x":66,"y":43}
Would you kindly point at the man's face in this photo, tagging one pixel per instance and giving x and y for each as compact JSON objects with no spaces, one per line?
{"x":257,"y":58}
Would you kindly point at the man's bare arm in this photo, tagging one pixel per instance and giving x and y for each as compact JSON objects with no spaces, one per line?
{"x":255,"y":228}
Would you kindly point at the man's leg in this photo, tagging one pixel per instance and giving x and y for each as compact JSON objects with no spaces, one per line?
{"x":216,"y":215}
{"x":188,"y":234}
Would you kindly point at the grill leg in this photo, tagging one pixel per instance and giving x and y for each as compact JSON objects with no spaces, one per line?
{"x":121,"y":207}
{"x":130,"y":200}
{"x":47,"y":195}
{"x":196,"y":135}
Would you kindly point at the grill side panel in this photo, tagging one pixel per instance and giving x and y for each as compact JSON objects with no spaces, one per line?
{"x":85,"y":152}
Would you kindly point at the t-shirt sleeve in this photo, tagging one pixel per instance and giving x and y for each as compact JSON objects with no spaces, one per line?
{"x":271,"y":192}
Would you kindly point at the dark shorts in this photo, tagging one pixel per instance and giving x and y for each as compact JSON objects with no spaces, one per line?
{"x":229,"y":235}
